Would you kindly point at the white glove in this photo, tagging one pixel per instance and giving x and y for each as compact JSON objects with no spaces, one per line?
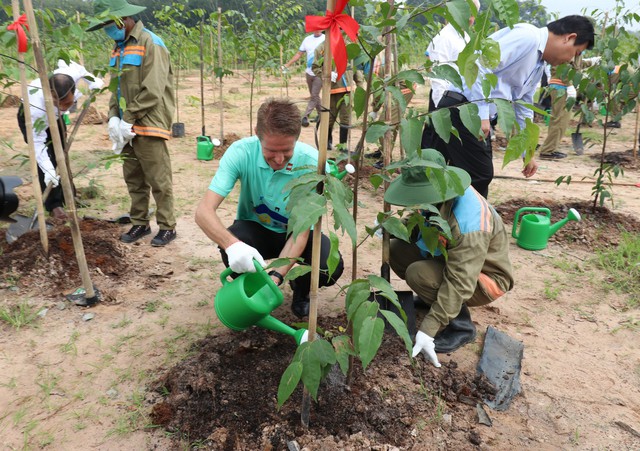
{"x":115,"y":136}
{"x":51,"y":178}
{"x":378,"y":233}
{"x":373,"y":115}
{"x":126,"y":131}
{"x":334,"y":77}
{"x":96,"y":84}
{"x":424,"y":344}
{"x":241,"y":257}
{"x":593,"y":60}
{"x":284,"y":69}
{"x":571,"y":92}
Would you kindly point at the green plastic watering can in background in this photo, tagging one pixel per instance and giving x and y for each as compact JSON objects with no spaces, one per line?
{"x":335,"y":171}
{"x":205,"y":147}
{"x":248,"y":300}
{"x":535,"y":230}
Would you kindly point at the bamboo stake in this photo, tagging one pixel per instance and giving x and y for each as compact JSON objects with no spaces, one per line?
{"x":202,"y":74}
{"x":635,"y":133}
{"x":387,"y":145}
{"x":220,"y":65}
{"x":59,"y":152}
{"x":33,"y":165}
{"x":81,"y":57}
{"x":322,"y":161}
{"x":282,"y":80}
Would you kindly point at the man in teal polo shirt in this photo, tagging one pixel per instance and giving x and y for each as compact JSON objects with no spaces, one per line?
{"x":264,"y":164}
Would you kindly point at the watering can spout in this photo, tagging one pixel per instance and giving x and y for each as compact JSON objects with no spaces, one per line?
{"x":572,"y":216}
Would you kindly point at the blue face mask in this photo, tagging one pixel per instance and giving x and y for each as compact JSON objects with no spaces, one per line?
{"x":115,"y":33}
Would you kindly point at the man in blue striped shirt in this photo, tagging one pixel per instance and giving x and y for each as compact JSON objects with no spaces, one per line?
{"x":524,"y":50}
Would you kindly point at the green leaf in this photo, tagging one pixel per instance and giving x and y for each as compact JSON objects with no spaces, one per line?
{"x":297,"y":271}
{"x":490,"y":57}
{"x":334,"y":253}
{"x":306,"y":213}
{"x":441,"y":120}
{"x":384,"y":288}
{"x":438,"y":179}
{"x":396,"y":227}
{"x":283,"y":261}
{"x":470,"y":118}
{"x":457,"y":13}
{"x":358,"y":292}
{"x":343,"y":348}
{"x":359,"y":101}
{"x":367,"y":309}
{"x":507,"y":11}
{"x":376,"y":131}
{"x":289,"y":382}
{"x":370,"y":339}
{"x":410,"y":76}
{"x":323,"y":352}
{"x":525,"y":141}
{"x":411,"y":135}
{"x":467,"y":64}
{"x":446,"y":72}
{"x":400,"y":327}
{"x":506,"y":116}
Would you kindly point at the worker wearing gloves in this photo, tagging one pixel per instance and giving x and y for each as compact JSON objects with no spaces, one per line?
{"x":140,"y":116}
{"x":477,"y":269}
{"x":264,"y":165}
{"x":561,"y":89}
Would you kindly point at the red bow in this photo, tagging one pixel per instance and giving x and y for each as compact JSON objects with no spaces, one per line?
{"x":335,"y":21}
{"x":21,"y":35}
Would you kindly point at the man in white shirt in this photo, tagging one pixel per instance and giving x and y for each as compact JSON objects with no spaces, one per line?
{"x":314,"y":83}
{"x":524,"y":50}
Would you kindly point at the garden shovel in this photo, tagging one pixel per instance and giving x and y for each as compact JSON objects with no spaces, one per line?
{"x":576,"y":140}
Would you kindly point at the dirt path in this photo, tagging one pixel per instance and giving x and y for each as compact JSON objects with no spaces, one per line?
{"x":67,"y":383}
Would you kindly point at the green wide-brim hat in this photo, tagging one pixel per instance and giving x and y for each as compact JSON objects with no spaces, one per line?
{"x":413,"y":187}
{"x":106,"y":10}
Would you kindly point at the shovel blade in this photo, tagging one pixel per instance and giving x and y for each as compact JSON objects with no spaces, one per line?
{"x":578,"y":145}
{"x":20,"y":227}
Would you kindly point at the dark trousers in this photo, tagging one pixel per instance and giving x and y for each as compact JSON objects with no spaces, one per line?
{"x":468,"y":152}
{"x":270,"y":244}
{"x":56,"y":197}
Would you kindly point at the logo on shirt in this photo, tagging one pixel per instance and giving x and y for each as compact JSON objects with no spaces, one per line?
{"x":289,"y":167}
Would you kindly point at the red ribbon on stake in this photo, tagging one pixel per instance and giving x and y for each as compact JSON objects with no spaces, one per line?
{"x":335,"y":21}
{"x":20,"y":34}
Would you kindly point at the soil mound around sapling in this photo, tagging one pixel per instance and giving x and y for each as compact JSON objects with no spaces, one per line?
{"x":229,"y":139}
{"x":621,"y":158}
{"x":24,"y":261}
{"x":225,"y":397}
{"x":599,"y":228}
{"x":10,"y":101}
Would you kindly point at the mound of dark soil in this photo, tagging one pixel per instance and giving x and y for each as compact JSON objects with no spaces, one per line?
{"x":229,"y":139}
{"x":598,"y":228}
{"x":25,"y":261}
{"x":225,"y":394}
{"x":624,"y":158}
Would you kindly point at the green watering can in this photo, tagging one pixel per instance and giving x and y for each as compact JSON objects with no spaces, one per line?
{"x":248,"y":301}
{"x":535,"y":230}
{"x":333,"y":169}
{"x":205,"y":147}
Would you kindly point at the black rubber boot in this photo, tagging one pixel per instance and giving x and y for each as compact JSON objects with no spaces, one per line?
{"x":344,"y":134}
{"x":458,"y":333}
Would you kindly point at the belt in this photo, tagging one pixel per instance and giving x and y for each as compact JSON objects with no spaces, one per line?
{"x":455,"y":96}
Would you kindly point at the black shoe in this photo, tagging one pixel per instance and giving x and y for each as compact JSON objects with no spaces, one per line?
{"x":553,"y":156}
{"x":163,"y":238}
{"x":305,"y":121}
{"x":458,"y":333}
{"x":300,"y":304}
{"x":135,"y":233}
{"x":613,"y":124}
{"x":377,"y":154}
{"x":378,"y":164}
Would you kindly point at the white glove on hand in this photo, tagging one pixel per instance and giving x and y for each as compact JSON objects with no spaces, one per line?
{"x":378,"y":233}
{"x":96,"y":84}
{"x":241,"y":257}
{"x":115,"y":136}
{"x":571,"y":92}
{"x":373,"y":115}
{"x":51,"y":178}
{"x":284,"y":69}
{"x":334,"y":77}
{"x":126,"y":131}
{"x":424,"y":344}
{"x":593,"y":60}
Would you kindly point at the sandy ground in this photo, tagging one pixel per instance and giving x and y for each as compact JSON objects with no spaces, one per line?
{"x":71,"y":384}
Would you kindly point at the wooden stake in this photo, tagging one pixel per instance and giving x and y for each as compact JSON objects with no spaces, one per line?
{"x":322,"y":161}
{"x":33,"y":165}
{"x":635,"y":133}
{"x":202,"y":74}
{"x":220,"y":65}
{"x":59,"y":152}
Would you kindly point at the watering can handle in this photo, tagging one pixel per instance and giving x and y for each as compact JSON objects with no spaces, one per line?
{"x":224,"y":275}
{"x":516,"y":220}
